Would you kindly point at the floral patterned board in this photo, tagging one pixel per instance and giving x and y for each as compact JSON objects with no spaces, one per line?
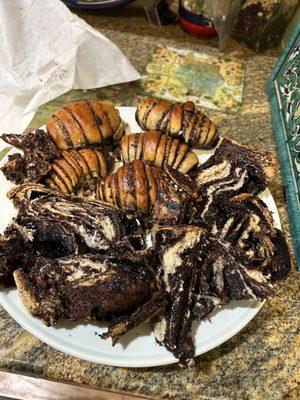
{"x":181,"y":75}
{"x":284,"y":93}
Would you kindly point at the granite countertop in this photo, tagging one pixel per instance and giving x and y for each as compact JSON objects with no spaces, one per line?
{"x":262,"y":361}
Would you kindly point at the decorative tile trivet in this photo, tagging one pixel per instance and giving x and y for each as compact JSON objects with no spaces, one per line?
{"x":209,"y":81}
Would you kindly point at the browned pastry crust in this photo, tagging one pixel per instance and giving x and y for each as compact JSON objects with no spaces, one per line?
{"x":83,"y":123}
{"x":158,"y":150}
{"x":76,"y":170}
{"x":140,"y":187}
{"x":181,"y":120}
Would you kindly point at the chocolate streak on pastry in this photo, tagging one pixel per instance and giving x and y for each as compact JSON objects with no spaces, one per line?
{"x":180,"y":120}
{"x":65,"y":137}
{"x":233,"y":169}
{"x":155,"y":151}
{"x":199,"y":273}
{"x":161,"y":194}
{"x":77,"y":168}
{"x":84,"y":123}
{"x":39,"y":150}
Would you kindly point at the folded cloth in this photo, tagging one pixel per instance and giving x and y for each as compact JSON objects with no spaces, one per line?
{"x":45,"y":50}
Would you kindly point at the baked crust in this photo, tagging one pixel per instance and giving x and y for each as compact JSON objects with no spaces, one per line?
{"x":83,"y":123}
{"x":139,"y":187}
{"x":151,"y":147}
{"x":181,"y":120}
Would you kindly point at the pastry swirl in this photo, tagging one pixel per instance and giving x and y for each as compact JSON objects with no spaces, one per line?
{"x":180,"y":120}
{"x":76,"y":168}
{"x":158,"y":150}
{"x":83,"y":123}
{"x":137,"y":186}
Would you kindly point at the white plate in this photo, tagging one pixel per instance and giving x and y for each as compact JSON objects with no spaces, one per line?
{"x":138,"y":348}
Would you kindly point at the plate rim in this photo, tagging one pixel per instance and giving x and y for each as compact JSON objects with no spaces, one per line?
{"x":168,"y":358}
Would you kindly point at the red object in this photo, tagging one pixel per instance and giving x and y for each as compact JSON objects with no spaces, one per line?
{"x":198,"y":30}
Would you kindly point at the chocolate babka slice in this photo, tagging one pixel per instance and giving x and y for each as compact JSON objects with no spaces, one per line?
{"x":98,"y":225}
{"x":38,"y":152}
{"x":85,"y":287}
{"x":233,"y":169}
{"x":119,"y":325}
{"x":247,"y":224}
{"x":14,"y":253}
{"x":52,"y":224}
{"x":199,"y":273}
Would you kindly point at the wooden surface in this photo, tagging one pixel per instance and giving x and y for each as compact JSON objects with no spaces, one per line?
{"x":27,"y":388}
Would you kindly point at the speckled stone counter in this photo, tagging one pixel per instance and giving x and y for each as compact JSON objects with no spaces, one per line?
{"x":262,"y":361}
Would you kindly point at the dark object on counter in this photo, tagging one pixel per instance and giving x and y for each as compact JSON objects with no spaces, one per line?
{"x":284,"y":96}
{"x":96,"y":5}
{"x":260,"y":24}
{"x":192,"y":17}
{"x":164,"y":15}
{"x":157,"y":11}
